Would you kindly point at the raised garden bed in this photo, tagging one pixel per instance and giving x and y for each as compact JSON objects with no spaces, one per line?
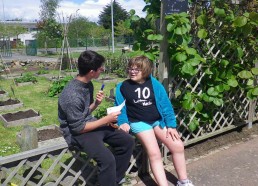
{"x":106,"y":79}
{"x":10,"y":104}
{"x":11,"y":76}
{"x":25,"y":79}
{"x":49,"y":135}
{"x":24,"y":83}
{"x":3,"y":94}
{"x":20,"y":118}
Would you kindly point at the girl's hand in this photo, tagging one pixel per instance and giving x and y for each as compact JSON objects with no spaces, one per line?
{"x":99,"y":97}
{"x":173,"y":133}
{"x":125,"y":127}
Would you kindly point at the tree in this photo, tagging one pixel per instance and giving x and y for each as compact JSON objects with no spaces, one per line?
{"x":16,"y":30}
{"x":48,"y":9}
{"x":12,"y":30}
{"x":50,"y":29}
{"x":120,"y":14}
{"x":79,"y":28}
{"x":122,"y":29}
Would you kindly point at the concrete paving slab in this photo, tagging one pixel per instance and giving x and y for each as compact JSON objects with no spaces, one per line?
{"x":236,"y":165}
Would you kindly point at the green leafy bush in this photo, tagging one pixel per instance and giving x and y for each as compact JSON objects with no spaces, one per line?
{"x":101,"y":111}
{"x":42,"y":71}
{"x":27,"y":77}
{"x":58,"y":86}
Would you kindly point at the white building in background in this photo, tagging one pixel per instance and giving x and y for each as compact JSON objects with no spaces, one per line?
{"x":30,"y":26}
{"x":26,"y":36}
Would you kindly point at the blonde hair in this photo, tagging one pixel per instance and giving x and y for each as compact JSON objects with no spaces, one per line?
{"x":142,"y":63}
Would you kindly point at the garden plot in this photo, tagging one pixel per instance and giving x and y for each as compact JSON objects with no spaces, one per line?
{"x":10,"y":104}
{"x":20,"y":118}
{"x":11,"y":76}
{"x":3,"y":95}
{"x":49,"y":135}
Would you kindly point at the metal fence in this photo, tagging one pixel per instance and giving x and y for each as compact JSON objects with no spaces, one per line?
{"x":5,"y":47}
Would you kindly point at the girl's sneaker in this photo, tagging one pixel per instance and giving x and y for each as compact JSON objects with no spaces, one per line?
{"x":187,"y":183}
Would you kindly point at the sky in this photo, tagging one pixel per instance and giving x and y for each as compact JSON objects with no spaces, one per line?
{"x":28,"y":10}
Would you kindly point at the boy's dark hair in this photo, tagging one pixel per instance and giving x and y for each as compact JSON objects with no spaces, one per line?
{"x":89,"y":60}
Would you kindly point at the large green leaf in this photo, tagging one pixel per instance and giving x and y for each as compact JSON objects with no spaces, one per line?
{"x":127,"y":23}
{"x":219,"y":88}
{"x":135,"y":18}
{"x":207,"y":98}
{"x":232,"y":82}
{"x":178,"y":31}
{"x":202,"y":20}
{"x":255,"y":91}
{"x":219,"y":12}
{"x":244,"y":74}
{"x":218,"y":101}
{"x":177,"y":93}
{"x":202,"y":33}
{"x":198,"y":107}
{"x":191,"y":51}
{"x":150,"y":56}
{"x":193,"y":62}
{"x":224,"y":62}
{"x":132,"y":12}
{"x":254,"y":71}
{"x":188,"y":69}
{"x":254,"y":17}
{"x":250,"y":82}
{"x":240,"y":21}
{"x":181,"y":57}
{"x":226,"y":87}
{"x":155,"y":37}
{"x":212,"y":92}
{"x":188,"y":104}
{"x":181,"y":30}
{"x":208,"y":71}
{"x":193,"y":125}
{"x":171,"y":27}
{"x":240,"y":52}
{"x":247,"y":29}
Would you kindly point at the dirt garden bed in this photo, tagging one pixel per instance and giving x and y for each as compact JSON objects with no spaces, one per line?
{"x":3,"y":95}
{"x":10,"y":104}
{"x":20,"y":118}
{"x":48,"y":135}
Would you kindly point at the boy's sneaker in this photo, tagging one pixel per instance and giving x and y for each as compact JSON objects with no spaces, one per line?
{"x":187,"y":183}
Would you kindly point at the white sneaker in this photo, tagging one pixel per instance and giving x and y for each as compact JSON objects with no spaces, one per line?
{"x":188,"y":183}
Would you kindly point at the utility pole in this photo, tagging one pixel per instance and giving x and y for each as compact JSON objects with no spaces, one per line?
{"x":112,"y":26}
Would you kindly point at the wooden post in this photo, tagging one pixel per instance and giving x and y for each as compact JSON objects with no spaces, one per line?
{"x":167,"y":7}
{"x":164,"y":65}
{"x":252,"y":105}
{"x":28,"y":138}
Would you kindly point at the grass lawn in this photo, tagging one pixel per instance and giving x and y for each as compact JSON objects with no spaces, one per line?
{"x":35,"y":97}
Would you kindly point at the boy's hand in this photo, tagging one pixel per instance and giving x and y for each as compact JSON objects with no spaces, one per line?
{"x":112,"y":118}
{"x":99,"y":97}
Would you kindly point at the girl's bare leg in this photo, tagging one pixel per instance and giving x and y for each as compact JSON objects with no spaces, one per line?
{"x":176,"y":147}
{"x":150,"y":143}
